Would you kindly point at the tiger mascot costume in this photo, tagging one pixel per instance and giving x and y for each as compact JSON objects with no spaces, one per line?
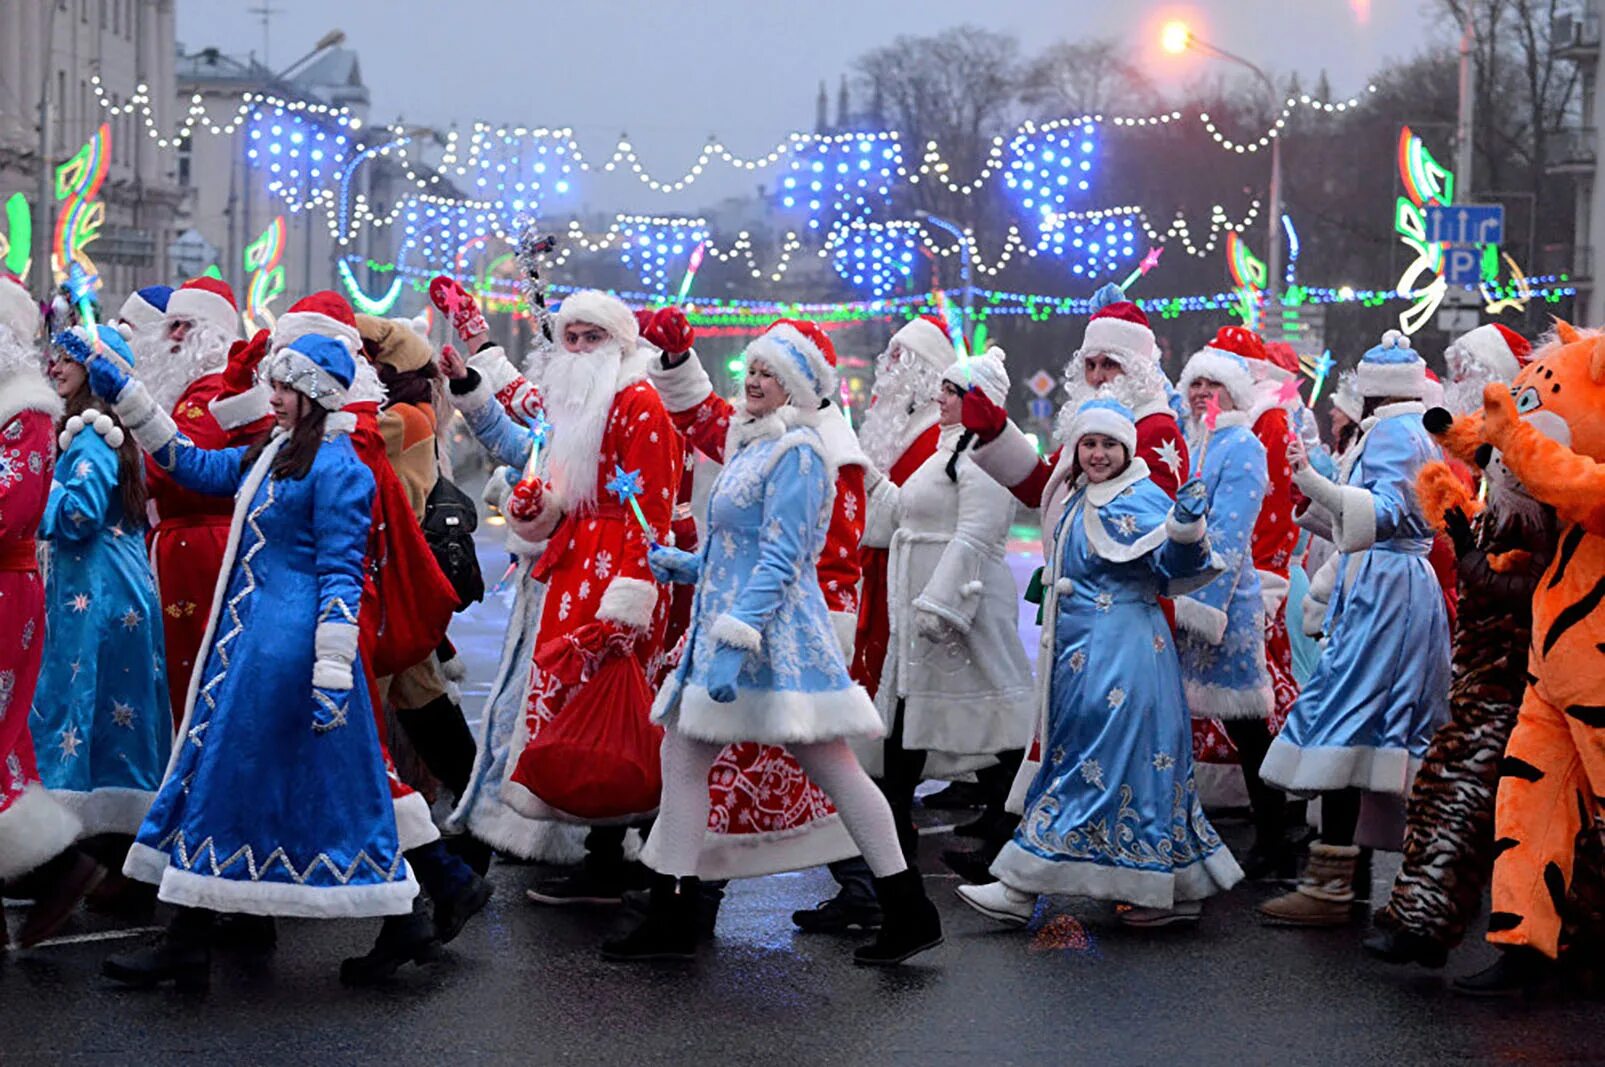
{"x":1549,"y":429}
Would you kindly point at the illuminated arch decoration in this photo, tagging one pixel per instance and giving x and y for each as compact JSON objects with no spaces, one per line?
{"x":80,"y":215}
{"x":264,"y":259}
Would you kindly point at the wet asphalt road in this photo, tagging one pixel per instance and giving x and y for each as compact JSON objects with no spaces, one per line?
{"x":524,"y":984}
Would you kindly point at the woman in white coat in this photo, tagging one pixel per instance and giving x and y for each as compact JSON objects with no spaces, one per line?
{"x":956,"y":690}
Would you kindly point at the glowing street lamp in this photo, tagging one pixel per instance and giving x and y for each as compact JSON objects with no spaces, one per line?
{"x":1175,"y":38}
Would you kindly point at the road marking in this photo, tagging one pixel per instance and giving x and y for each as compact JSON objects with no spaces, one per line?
{"x":85,"y":939}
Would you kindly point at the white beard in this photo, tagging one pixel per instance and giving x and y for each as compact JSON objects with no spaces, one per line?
{"x":167,"y":369}
{"x":1463,"y":394}
{"x":1133,"y":391}
{"x":18,"y":358}
{"x":902,"y":392}
{"x":577,"y":394}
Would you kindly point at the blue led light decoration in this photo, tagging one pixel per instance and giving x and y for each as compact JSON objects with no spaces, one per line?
{"x":874,"y":256}
{"x":1050,"y":168}
{"x":839,"y":177}
{"x":295,"y":153}
{"x":653,"y":245}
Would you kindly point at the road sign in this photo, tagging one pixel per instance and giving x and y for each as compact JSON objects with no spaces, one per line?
{"x":1462,"y":266}
{"x":1465,"y":224}
{"x":1041,"y":409}
{"x":1456,"y":321}
{"x":1041,"y":383}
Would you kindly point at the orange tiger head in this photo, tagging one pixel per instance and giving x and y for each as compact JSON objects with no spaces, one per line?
{"x":1562,"y":391}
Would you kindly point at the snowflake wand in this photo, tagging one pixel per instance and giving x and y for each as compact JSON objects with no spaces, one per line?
{"x":1323,"y":367}
{"x":538,"y":429}
{"x":80,"y":289}
{"x":626,"y":485}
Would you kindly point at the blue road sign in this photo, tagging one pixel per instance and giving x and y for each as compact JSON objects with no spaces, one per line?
{"x":1462,"y":266}
{"x":1041,"y":408}
{"x":1465,"y":224}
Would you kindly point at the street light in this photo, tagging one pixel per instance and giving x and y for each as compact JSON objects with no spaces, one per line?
{"x":1176,"y":38}
{"x":964,"y":248}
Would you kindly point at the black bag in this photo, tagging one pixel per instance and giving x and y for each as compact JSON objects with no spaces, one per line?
{"x":450,"y":519}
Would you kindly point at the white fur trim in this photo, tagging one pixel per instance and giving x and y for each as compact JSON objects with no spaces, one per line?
{"x":1391,"y":379}
{"x":1103,"y":421}
{"x":283,"y":899}
{"x":1185,"y":533}
{"x":841,"y":443}
{"x":1029,"y":873}
{"x":151,"y":426}
{"x":1308,"y":771}
{"x":495,"y":369}
{"x":18,"y":310}
{"x":1008,"y":458}
{"x":598,"y":309}
{"x":683,"y":387}
{"x":1486,"y":347}
{"x":1357,"y":520}
{"x":107,"y":810}
{"x":294,"y":325}
{"x":729,"y":630}
{"x":415,"y":827}
{"x":1119,"y":338}
{"x":754,"y":855}
{"x":505,"y":830}
{"x":629,"y":602}
{"x":34,"y":829}
{"x":195,"y":304}
{"x":27,"y":392}
{"x":294,"y":368}
{"x":1216,"y":365}
{"x":1105,"y":546}
{"x":774,"y":717}
{"x":526,"y":803}
{"x":242,"y":409}
{"x":1200,"y":619}
{"x":335,"y":644}
{"x":796,"y":361}
{"x":1273,"y":589}
{"x":338,"y":423}
{"x":845,"y":623}
{"x":926,"y":341}
{"x":1219,"y":702}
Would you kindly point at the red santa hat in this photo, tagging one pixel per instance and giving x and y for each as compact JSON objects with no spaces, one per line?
{"x":18,"y":309}
{"x":325,"y":313}
{"x":1119,"y":330}
{"x":928,"y":342}
{"x":1278,"y":363}
{"x":811,"y":333}
{"x":1496,"y":349}
{"x":797,"y":360}
{"x":206,"y":299}
{"x":599,"y":309}
{"x":1227,"y":359}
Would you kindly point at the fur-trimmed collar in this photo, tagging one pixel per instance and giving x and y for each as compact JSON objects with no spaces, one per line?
{"x":744,"y":430}
{"x":1100,"y":494}
{"x":28,"y":392}
{"x":633,"y":367}
{"x":1389,"y":411}
{"x":841,"y":443}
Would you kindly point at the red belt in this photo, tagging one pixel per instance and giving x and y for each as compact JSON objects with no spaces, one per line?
{"x":20,"y":556}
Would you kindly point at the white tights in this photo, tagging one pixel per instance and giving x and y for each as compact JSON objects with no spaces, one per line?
{"x":683,"y":815}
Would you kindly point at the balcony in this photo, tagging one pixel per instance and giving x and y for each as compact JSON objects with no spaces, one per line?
{"x":1575,"y":37}
{"x":1571,"y":151}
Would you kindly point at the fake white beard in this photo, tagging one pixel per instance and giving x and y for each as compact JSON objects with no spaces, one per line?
{"x":18,"y":358}
{"x":1463,"y":394}
{"x":168,"y":369}
{"x":902,"y":391}
{"x":577,"y":394}
{"x":1509,"y":500}
{"x":1132,"y":390}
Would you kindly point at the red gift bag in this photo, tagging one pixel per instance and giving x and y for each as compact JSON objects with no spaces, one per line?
{"x":598,"y":759}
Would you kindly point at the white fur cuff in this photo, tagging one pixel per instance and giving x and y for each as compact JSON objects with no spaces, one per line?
{"x":335,"y":644}
{"x":242,"y":409}
{"x":729,"y":630}
{"x":1357,"y":519}
{"x":151,"y":426}
{"x":628,"y":602}
{"x":494,"y":368}
{"x":1201,"y":620}
{"x":1009,"y":458}
{"x":845,"y":623}
{"x":1185,"y":533}
{"x":681,"y":388}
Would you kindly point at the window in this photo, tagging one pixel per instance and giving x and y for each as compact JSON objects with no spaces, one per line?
{"x":185,"y":152}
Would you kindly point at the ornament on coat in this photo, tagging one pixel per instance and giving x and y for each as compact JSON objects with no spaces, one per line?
{"x":626,"y":485}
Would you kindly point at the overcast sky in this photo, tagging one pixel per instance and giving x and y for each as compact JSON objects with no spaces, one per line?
{"x":672,"y":71}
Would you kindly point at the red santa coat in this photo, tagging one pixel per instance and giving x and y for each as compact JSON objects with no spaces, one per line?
{"x":765,"y":815}
{"x":1012,"y":462}
{"x":189,"y":530}
{"x":34,"y":827}
{"x":594,"y":568}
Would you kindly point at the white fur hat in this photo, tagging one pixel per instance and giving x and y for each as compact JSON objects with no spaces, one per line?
{"x":1219,"y":365}
{"x":18,"y":309}
{"x":599,"y":309}
{"x":1107,"y":416}
{"x":927,"y":342}
{"x":1392,"y":369}
{"x":1498,"y":351}
{"x":206,"y":299}
{"x":797,"y":361}
{"x":985,"y":373}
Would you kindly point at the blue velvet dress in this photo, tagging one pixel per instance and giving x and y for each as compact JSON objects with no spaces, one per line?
{"x":101,"y":721}
{"x":1381,"y":687}
{"x":1113,"y":812}
{"x":259,"y":813}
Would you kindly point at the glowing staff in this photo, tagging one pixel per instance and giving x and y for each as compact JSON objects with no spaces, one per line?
{"x":538,"y":430}
{"x":691,"y":271}
{"x":1323,"y":367}
{"x":627,"y":486}
{"x":263,"y":257}
{"x":1149,"y":262}
{"x":81,"y":291}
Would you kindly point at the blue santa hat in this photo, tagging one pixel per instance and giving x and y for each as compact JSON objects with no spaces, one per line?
{"x":1107,"y":416}
{"x":1392,"y":369}
{"x":145,"y":307}
{"x":76,"y":345}
{"x":316,"y":366}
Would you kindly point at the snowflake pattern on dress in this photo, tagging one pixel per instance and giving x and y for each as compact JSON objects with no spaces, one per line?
{"x":1115,"y":697}
{"x":565,"y":605}
{"x":10,"y":467}
{"x":604,"y":565}
{"x":1091,"y":772}
{"x":8,"y":686}
{"x":585,"y":589}
{"x":1078,"y":660}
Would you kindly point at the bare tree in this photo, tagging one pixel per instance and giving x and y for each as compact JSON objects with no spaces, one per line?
{"x":1087,"y":78}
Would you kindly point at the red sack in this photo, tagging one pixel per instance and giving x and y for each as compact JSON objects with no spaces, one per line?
{"x":598,"y":759}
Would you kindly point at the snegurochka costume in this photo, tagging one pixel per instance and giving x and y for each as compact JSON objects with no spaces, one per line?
{"x":1110,"y":807}
{"x":100,"y":716}
{"x":762,"y":663}
{"x":1380,"y":691}
{"x":275,"y":801}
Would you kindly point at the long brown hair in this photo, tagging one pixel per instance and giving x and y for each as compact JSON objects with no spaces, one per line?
{"x":130,"y":460}
{"x":294,"y":458}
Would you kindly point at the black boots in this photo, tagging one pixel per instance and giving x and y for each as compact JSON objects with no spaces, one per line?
{"x":1405,"y":946}
{"x":1518,"y":972}
{"x":57,"y":889}
{"x":403,"y":939}
{"x":183,"y":956}
{"x":456,"y":891}
{"x":669,"y":930}
{"x":909,"y":924}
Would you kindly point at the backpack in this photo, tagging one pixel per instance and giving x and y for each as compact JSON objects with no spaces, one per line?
{"x":450,"y":520}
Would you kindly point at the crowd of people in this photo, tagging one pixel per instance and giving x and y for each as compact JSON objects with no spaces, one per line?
{"x":743,"y":633}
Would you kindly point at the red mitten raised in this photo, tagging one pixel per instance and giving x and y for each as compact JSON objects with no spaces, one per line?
{"x":527,"y":500}
{"x":458,"y":304}
{"x":982,"y":417}
{"x":643,"y":319}
{"x":670,"y":332}
{"x":239,"y":375}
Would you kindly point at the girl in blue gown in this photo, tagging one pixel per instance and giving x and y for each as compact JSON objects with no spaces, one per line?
{"x":1111,"y":809}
